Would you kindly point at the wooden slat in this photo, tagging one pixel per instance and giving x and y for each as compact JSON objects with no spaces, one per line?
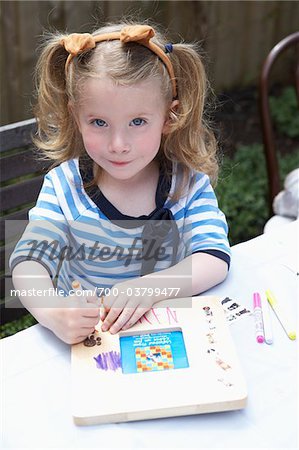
{"x":5,"y":278}
{"x":22,"y":163}
{"x":5,"y":252}
{"x":2,"y":258}
{"x":17,"y":135}
{"x":8,"y":302}
{"x":14,"y":196}
{"x":12,"y":308}
{"x":18,"y":215}
{"x":5,"y":288}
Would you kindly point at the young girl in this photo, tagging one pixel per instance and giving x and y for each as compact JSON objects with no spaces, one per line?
{"x":128,"y":209}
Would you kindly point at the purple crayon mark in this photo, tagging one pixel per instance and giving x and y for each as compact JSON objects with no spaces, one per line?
{"x":108,"y":361}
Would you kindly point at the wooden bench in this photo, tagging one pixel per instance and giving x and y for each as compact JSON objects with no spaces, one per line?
{"x":21,"y":180}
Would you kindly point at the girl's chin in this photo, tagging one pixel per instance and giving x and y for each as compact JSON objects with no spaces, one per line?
{"x":121,"y":175}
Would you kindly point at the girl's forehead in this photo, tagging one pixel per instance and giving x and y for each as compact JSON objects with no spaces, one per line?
{"x":93,"y":89}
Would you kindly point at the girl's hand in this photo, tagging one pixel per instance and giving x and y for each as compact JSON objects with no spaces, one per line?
{"x":73,"y":323}
{"x":130,"y":302}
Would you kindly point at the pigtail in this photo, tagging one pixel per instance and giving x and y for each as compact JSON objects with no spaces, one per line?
{"x":190,"y":140}
{"x":57,"y":134}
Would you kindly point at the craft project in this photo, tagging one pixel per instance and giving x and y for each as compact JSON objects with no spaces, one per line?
{"x":175,"y":361}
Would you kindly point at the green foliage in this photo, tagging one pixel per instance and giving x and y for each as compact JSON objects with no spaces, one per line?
{"x":17,"y":325}
{"x":242,"y":190}
{"x":284,"y":110}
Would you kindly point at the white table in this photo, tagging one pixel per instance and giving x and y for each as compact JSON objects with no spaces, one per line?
{"x":36,"y":391}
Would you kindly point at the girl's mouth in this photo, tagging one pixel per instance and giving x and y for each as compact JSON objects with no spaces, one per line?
{"x":120,"y":163}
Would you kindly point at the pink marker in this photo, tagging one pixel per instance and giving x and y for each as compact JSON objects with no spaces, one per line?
{"x":258,"y":318}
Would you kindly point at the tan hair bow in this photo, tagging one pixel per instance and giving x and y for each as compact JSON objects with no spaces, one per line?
{"x":77,"y":43}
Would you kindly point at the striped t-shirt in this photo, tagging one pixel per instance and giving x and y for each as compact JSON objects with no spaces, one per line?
{"x":78,"y":234}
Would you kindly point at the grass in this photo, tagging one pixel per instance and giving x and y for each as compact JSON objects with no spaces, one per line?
{"x":13,"y":327}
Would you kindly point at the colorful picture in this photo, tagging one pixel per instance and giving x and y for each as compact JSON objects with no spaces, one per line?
{"x":154,"y":357}
{"x":153,"y":352}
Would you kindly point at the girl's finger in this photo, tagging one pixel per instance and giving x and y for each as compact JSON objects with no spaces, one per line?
{"x":82,"y":336}
{"x":108,"y":301}
{"x":111,"y":318}
{"x":88,"y":321}
{"x":90,"y":313}
{"x":104,"y":314}
{"x":94,"y":300}
{"x":124,"y":316}
{"x":113,"y":311}
{"x":86,"y":330}
{"x":119,"y":307}
{"x":138,"y":313}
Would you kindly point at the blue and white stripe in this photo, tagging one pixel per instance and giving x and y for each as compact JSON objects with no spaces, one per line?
{"x":66,"y":215}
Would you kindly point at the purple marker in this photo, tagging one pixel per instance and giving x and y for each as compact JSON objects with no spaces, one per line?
{"x":258,"y":318}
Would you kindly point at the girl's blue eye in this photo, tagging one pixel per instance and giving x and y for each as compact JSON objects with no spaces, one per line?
{"x":138,"y":121}
{"x":100,"y":123}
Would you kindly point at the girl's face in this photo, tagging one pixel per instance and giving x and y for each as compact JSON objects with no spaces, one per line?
{"x":121,"y":126}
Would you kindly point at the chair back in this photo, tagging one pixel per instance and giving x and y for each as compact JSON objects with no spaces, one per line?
{"x":267,"y":126}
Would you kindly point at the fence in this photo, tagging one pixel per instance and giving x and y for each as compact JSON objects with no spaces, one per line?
{"x":236,"y":36}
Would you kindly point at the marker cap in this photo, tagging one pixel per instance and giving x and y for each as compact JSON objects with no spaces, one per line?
{"x":76,"y":284}
{"x":260,"y":339}
{"x":257,"y":300}
{"x":292,"y":335}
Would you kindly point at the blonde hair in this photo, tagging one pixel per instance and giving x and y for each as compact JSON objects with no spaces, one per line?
{"x":190,"y":142}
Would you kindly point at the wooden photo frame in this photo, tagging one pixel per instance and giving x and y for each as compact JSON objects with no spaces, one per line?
{"x":175,"y":361}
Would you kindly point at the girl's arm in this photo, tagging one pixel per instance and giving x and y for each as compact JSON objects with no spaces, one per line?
{"x":70,"y":318}
{"x":193,"y":275}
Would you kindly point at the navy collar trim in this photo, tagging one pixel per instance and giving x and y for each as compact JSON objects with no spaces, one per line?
{"x":112,"y":213}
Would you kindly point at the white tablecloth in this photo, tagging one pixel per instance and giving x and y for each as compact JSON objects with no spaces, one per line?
{"x":36,"y":388}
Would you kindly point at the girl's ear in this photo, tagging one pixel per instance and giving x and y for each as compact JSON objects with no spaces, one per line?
{"x":170,"y":117}
{"x":72,"y":111}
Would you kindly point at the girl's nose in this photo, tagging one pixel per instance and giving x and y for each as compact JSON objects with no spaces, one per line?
{"x":119,"y":143}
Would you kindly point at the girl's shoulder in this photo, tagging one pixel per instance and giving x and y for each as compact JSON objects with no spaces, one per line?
{"x":194,"y":181}
{"x":199,"y":177}
{"x":68,"y":169}
{"x":64,"y":185}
